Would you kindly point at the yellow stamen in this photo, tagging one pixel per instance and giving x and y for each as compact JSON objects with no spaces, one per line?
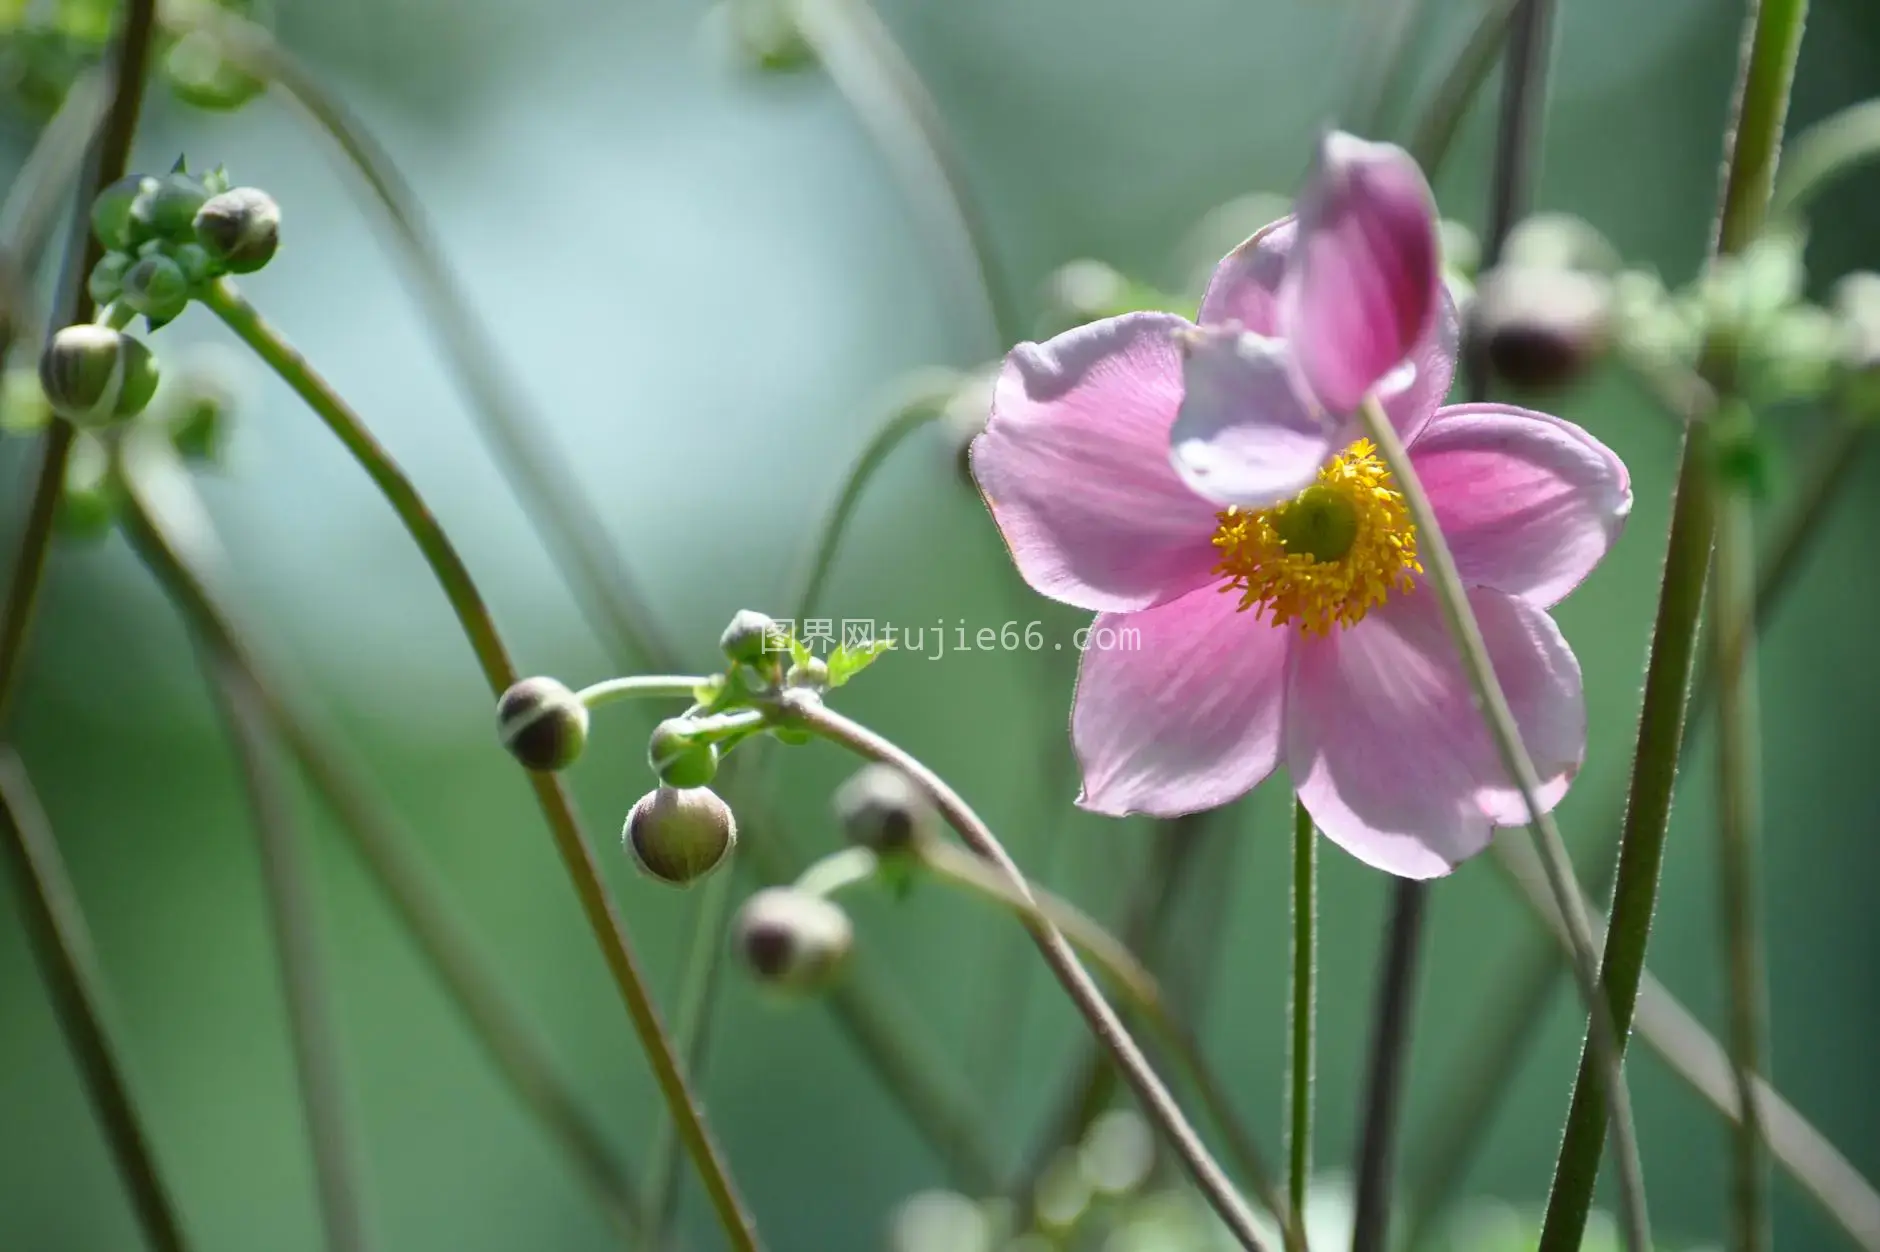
{"x":1329,"y":555}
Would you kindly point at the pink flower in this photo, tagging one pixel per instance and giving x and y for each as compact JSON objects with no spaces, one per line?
{"x":1204,"y":490}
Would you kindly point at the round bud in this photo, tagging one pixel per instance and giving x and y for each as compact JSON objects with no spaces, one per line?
{"x":194,"y":260}
{"x":680,"y":834}
{"x":542,"y":724}
{"x":1541,"y":328}
{"x":240,"y":228}
{"x":93,"y":375}
{"x":165,"y":208}
{"x":791,"y":938}
{"x":111,"y":211}
{"x":882,"y":808}
{"x":679,"y":757}
{"x":749,"y":636}
{"x":156,"y":287}
{"x":199,"y":75}
{"x":106,"y":282}
{"x":812,"y":674}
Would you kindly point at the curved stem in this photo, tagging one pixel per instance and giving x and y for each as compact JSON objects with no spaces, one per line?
{"x":1303,"y":1008}
{"x":1442,"y":116}
{"x":577,"y":539}
{"x":129,"y":69}
{"x":810,"y":714}
{"x":40,"y":190}
{"x":1823,"y":153}
{"x":639,"y":687}
{"x":1602,"y":1033}
{"x":62,"y":944}
{"x":500,"y":674}
{"x":1771,"y":43}
{"x":392,"y":862}
{"x":285,"y":876}
{"x":866,"y":65}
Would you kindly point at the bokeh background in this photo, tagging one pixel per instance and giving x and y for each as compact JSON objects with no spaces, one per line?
{"x":706,"y":277}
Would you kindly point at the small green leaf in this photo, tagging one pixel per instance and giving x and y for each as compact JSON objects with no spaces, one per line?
{"x":846,"y":662}
{"x":799,"y":651}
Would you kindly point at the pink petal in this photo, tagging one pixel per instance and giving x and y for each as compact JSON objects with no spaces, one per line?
{"x":1245,"y":289}
{"x":1529,"y":503}
{"x":1182,"y":715}
{"x":1387,"y":751}
{"x":1364,"y":282}
{"x":1244,"y":434}
{"x":1074,"y":465}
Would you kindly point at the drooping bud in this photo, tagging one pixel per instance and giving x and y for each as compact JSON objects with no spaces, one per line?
{"x":94,"y":375}
{"x":240,"y":228}
{"x":165,"y":207}
{"x":1540,"y":328}
{"x":679,"y":757}
{"x":542,"y":724}
{"x":749,"y":636}
{"x":790,"y":938}
{"x":111,"y":212}
{"x":1364,"y":277}
{"x":680,"y":834}
{"x":883,"y":809}
{"x":156,"y":287}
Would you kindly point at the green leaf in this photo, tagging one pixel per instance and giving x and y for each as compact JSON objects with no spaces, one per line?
{"x":846,"y":662}
{"x":799,"y":651}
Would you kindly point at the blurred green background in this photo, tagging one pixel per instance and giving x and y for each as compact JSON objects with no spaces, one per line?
{"x":706,"y":277}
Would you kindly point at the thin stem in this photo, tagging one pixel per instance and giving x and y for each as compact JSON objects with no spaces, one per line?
{"x":1303,"y":1008}
{"x":389,"y":853}
{"x":1732,"y":636}
{"x":1830,"y":148}
{"x":811,"y":715}
{"x":1390,"y":1044}
{"x":574,"y":534}
{"x":129,"y":68}
{"x":1442,"y":116}
{"x":285,"y":875}
{"x":640,"y":687}
{"x":1602,"y":1034}
{"x":39,"y":192}
{"x":500,"y":674}
{"x":1772,"y":41}
{"x":62,"y":944}
{"x":868,"y":68}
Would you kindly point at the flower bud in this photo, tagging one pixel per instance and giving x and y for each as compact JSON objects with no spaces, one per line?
{"x":200,"y":405}
{"x":240,"y":228}
{"x":790,"y":938}
{"x":93,"y":374}
{"x":201,"y":76}
{"x":156,"y":287}
{"x":812,"y":674}
{"x":680,"y":834}
{"x":165,"y":207}
{"x":88,"y":507}
{"x":883,"y":809}
{"x":1540,"y":328}
{"x":111,"y":212}
{"x":749,"y":636}
{"x":542,"y":724}
{"x":679,"y":757}
{"x":106,"y":281}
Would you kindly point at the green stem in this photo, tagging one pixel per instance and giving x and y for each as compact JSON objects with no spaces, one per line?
{"x":1303,"y":1008}
{"x":810,"y":714}
{"x":129,"y":68}
{"x":291,"y":912}
{"x":1732,"y":636}
{"x":1603,"y":1034}
{"x":1773,"y":39}
{"x":388,"y":852}
{"x":577,"y":538}
{"x":62,"y":944}
{"x":500,"y":674}
{"x":1442,"y":116}
{"x":640,"y":687}
{"x":39,"y":192}
{"x":1824,"y":152}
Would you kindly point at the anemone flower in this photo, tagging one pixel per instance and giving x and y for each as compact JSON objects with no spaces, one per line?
{"x":1204,"y":489}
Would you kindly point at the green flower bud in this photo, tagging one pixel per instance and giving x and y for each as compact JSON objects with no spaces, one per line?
{"x":679,"y":758}
{"x":542,"y":724}
{"x":88,"y":506}
{"x":679,"y":835}
{"x":883,"y":809}
{"x":1559,"y":241}
{"x":749,"y":636}
{"x":765,"y":33}
{"x":106,"y":282}
{"x":111,"y":212}
{"x":240,"y":228}
{"x":93,"y":375}
{"x":813,"y":674}
{"x":165,"y":208}
{"x":199,"y":405}
{"x":792,"y":939}
{"x":195,"y":262}
{"x":156,"y":287}
{"x":200,"y":75}
{"x":1541,"y":328}
{"x":23,"y":407}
